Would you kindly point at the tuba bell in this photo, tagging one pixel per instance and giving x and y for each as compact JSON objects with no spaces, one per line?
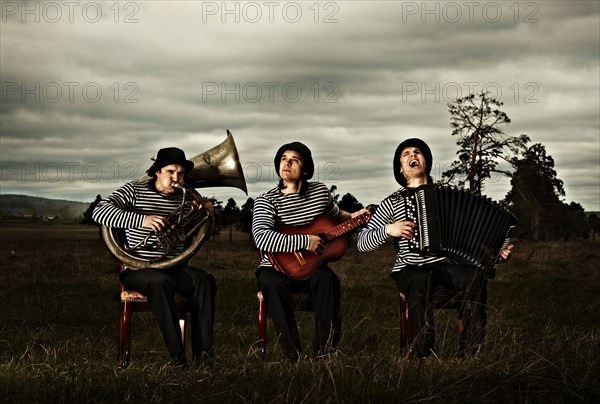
{"x":190,"y":223}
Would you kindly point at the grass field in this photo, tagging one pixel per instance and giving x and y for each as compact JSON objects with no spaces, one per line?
{"x":58,"y":331}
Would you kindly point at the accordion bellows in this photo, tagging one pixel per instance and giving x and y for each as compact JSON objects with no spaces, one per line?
{"x":467,"y":227}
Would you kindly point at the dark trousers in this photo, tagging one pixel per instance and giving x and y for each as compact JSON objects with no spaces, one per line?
{"x":160,"y":286}
{"x":324,"y":287}
{"x":464,"y":283}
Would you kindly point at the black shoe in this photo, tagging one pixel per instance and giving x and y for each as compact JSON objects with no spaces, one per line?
{"x":178,"y":361}
{"x":420,"y":354}
{"x":294,"y":356}
{"x":469,"y":353}
{"x":326,"y":353}
{"x":204,"y":359}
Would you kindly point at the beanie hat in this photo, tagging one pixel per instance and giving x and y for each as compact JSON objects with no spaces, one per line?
{"x":414,"y":142}
{"x":304,"y":152}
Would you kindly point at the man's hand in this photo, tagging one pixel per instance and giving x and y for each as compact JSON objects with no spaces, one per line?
{"x":315,"y":244}
{"x":154,"y":222}
{"x":506,"y":253}
{"x":206,"y":204}
{"x":404,"y":229}
{"x":360,"y":212}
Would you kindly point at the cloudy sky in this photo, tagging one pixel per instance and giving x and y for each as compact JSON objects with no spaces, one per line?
{"x":91,"y":90}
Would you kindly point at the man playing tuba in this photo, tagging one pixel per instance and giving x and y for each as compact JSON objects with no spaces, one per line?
{"x":142,"y":208}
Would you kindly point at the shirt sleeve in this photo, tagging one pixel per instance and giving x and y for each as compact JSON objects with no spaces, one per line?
{"x":373,"y":235}
{"x":268,"y":239}
{"x":118,"y":209}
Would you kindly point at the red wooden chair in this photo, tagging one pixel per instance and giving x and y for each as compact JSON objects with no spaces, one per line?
{"x":131,"y":302}
{"x":302,"y":301}
{"x":406,"y":330}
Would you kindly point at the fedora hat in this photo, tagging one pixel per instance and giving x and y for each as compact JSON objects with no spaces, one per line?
{"x":168,"y":156}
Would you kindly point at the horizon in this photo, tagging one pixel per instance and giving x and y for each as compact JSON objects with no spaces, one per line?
{"x":224,"y":201}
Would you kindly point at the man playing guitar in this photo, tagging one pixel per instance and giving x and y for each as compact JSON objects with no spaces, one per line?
{"x":297,"y":202}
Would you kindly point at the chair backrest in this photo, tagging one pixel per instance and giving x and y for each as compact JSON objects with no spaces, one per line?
{"x":122,"y":288}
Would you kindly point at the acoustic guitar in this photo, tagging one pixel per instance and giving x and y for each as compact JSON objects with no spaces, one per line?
{"x":300,"y":265}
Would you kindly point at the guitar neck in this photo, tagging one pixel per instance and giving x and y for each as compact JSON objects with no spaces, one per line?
{"x":346,"y":226}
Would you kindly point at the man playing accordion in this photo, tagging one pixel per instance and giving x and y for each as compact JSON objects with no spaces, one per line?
{"x":415,"y":273}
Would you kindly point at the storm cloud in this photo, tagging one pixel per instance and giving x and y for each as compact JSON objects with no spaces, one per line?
{"x":91,"y":90}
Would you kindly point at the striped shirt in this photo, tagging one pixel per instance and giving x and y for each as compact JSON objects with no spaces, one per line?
{"x":392,"y":209}
{"x":127,"y":207}
{"x":274,"y":208}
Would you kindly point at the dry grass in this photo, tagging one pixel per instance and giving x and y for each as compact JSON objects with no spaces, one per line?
{"x":58,"y":332}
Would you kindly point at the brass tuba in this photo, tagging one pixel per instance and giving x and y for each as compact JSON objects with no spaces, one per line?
{"x":190,"y":223}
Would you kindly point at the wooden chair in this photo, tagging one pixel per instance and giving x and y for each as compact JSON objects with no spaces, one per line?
{"x":132,"y":302}
{"x":301,"y":301}
{"x":406,"y":330}
{"x":437,"y":300}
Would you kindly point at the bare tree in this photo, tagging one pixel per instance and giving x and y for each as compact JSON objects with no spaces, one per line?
{"x":477,"y":121}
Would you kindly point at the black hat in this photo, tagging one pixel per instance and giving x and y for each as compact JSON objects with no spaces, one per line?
{"x":414,"y":142}
{"x":303,"y":151}
{"x":168,"y":156}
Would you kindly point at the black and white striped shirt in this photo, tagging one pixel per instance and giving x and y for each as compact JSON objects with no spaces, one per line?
{"x":390,"y":210}
{"x":127,"y":207}
{"x":274,"y":208}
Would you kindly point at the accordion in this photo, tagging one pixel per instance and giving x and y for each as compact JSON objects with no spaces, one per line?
{"x":466,"y":227}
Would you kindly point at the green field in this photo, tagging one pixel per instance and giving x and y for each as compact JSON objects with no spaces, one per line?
{"x":58,"y":333}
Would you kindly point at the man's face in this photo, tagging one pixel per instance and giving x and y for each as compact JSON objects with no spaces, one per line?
{"x":291,"y":166}
{"x":412,"y":162}
{"x":167,"y":175}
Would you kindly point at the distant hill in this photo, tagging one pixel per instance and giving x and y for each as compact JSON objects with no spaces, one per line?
{"x":23,"y":206}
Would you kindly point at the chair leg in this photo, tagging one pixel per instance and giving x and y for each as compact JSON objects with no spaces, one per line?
{"x":182,"y":326}
{"x":121,"y":336}
{"x":125,"y":334}
{"x":262,"y":324}
{"x":406,"y":331}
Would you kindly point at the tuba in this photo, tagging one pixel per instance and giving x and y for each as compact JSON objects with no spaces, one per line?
{"x":190,"y":223}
